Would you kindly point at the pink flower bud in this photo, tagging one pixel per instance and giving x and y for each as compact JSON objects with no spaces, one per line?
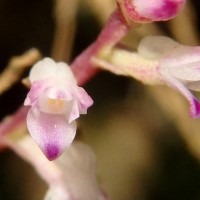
{"x":143,"y":11}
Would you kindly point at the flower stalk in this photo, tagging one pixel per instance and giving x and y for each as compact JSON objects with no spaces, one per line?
{"x":114,"y":30}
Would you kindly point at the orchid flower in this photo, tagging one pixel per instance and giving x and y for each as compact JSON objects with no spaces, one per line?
{"x":160,"y":60}
{"x":56,"y":102}
{"x":178,"y":66}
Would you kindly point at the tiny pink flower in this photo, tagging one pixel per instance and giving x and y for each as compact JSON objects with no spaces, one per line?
{"x":159,"y":60}
{"x":150,"y":10}
{"x":178,"y":66}
{"x":56,"y":102}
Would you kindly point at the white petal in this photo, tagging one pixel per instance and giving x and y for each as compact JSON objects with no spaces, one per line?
{"x":154,"y":47}
{"x":47,"y":68}
{"x":65,"y":72}
{"x":183,"y":63}
{"x":42,"y":70}
{"x":188,"y":72}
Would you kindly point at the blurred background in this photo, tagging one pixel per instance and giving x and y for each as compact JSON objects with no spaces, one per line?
{"x":146,"y":145}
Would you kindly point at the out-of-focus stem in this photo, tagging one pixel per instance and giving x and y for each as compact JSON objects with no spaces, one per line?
{"x":65,"y":14}
{"x":115,"y":29}
{"x":96,"y":6}
{"x":8,"y":77}
{"x":174,"y":108}
{"x":10,"y":123}
{"x":16,"y":67}
{"x":187,"y":23}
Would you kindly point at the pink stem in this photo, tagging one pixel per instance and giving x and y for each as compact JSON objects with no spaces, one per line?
{"x":115,"y":29}
{"x":10,"y":123}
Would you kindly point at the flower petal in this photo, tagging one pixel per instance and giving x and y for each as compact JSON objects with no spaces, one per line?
{"x":183,"y":63}
{"x":84,"y":100}
{"x":65,"y":72}
{"x":73,"y":114}
{"x":42,"y":70}
{"x":187,"y":72}
{"x":177,"y":85}
{"x":36,"y":89}
{"x":153,"y":47}
{"x":50,"y":131}
{"x":47,"y":68}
